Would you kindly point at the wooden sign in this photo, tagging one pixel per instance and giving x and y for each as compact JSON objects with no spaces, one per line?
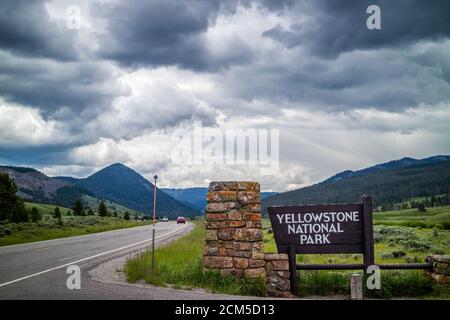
{"x":335,"y":228}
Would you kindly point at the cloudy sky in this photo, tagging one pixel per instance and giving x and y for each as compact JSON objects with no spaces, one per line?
{"x":113,"y":86}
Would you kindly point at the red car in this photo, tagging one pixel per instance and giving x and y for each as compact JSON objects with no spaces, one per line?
{"x":181,"y":220}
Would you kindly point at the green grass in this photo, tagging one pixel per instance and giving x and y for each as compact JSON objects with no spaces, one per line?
{"x":112,"y":206}
{"x":180,"y":264}
{"x":48,"y":228}
{"x":433,"y":217}
{"x":44,"y":209}
{"x":398,"y":283}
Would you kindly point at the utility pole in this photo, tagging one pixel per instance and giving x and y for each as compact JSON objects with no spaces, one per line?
{"x":154,"y":223}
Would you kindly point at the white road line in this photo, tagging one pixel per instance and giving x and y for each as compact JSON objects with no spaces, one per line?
{"x":85,"y":259}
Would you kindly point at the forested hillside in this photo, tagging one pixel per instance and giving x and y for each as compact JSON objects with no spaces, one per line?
{"x":387,"y":187}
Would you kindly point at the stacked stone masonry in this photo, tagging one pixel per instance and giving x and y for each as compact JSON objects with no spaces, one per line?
{"x":278,"y":276}
{"x":441,"y":268}
{"x":234,"y":237}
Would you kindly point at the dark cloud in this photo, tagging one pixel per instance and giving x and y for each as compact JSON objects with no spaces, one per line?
{"x":51,"y":85}
{"x":335,"y":26}
{"x":27,"y":29}
{"x":166,"y":32}
{"x":392,"y":80}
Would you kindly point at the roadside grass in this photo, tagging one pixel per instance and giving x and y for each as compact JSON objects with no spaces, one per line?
{"x":393,"y":244}
{"x":180,"y":265}
{"x":394,"y":284}
{"x":49,"y":228}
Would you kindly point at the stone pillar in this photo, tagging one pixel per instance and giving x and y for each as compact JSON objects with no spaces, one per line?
{"x":278,"y":275}
{"x":234,"y":237}
{"x":441,"y":268}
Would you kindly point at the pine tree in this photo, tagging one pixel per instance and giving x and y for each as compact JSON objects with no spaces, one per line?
{"x":78,"y":209}
{"x":102,"y":209}
{"x":90,"y":212}
{"x":11,"y":206}
{"x":421,"y":207}
{"x":57,"y":213}
{"x":35,"y":215}
{"x":126,"y":216}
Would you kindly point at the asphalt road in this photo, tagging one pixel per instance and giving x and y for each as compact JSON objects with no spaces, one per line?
{"x":39,"y":270}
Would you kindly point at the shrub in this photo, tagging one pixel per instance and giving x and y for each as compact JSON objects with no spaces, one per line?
{"x":35,"y":215}
{"x":398,"y":254}
{"x":417,"y":245}
{"x":446,"y":225}
{"x":385,"y":255}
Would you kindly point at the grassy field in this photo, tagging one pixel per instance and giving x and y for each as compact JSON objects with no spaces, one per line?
{"x":112,"y":206}
{"x":49,"y":228}
{"x":180,"y":265}
{"x":433,"y":217}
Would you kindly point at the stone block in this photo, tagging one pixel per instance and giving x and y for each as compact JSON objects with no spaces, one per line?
{"x":210,"y":235}
{"x":221,"y":196}
{"x":235,"y":216}
{"x":226,"y":234}
{"x":243,"y":246}
{"x":276,"y":256}
{"x":211,"y":251}
{"x":252,"y":216}
{"x":237,"y":224}
{"x":255,"y":273}
{"x":248,"y":197}
{"x":257,"y":255}
{"x":253,"y":263}
{"x":248,"y":185}
{"x":248,"y":234}
{"x":253,"y":224}
{"x":216,"y":217}
{"x":217,"y":224}
{"x":280,"y":265}
{"x":223,"y":186}
{"x":218,"y":207}
{"x":217,"y":262}
{"x":242,"y":254}
{"x":240,"y":263}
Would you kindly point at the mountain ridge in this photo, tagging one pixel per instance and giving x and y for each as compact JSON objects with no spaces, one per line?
{"x":108,"y":183}
{"x":393,"y":164}
{"x":386,"y":186}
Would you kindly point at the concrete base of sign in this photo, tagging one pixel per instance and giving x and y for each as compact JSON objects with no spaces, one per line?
{"x":356,"y":292}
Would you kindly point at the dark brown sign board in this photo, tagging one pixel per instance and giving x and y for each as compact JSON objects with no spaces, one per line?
{"x":324,"y":229}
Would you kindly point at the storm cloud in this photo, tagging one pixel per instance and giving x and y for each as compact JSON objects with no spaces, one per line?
{"x":333,"y":27}
{"x":115,"y":90}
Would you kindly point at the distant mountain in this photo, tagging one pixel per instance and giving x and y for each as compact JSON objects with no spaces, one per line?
{"x":387,"y":183}
{"x":123,"y":188}
{"x":126,"y":187}
{"x":394,"y":164}
{"x":193,"y":197}
{"x":196,"y":197}
{"x":35,"y":186}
